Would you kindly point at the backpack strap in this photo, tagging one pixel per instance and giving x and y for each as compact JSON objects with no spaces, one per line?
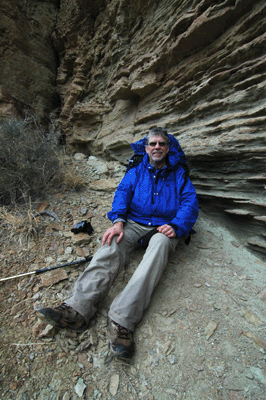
{"x":186,"y":175}
{"x":134,"y":161}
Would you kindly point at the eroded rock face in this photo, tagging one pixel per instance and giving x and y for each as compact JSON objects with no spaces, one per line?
{"x":194,"y":67}
{"x":28,"y":57}
{"x":197,"y":68}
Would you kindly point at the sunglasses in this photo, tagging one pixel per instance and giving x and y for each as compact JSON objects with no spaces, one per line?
{"x":161,"y":144}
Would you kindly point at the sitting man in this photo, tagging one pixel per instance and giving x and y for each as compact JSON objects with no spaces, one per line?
{"x":155,"y":195}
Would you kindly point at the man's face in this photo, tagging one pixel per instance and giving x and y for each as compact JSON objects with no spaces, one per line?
{"x":157,"y":149}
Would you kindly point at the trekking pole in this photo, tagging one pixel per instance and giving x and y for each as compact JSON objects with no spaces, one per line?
{"x":40,"y":271}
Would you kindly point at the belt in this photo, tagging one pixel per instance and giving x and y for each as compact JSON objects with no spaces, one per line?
{"x":147,"y":226}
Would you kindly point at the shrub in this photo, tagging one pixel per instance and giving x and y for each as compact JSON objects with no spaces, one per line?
{"x":28,"y":161}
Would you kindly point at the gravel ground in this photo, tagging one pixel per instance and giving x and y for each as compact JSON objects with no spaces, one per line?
{"x":202,"y":337}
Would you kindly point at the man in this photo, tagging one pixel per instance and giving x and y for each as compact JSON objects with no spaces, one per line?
{"x":155,"y":196}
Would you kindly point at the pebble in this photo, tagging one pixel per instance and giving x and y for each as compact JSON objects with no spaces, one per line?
{"x":54,"y":276}
{"x":83,"y":210}
{"x":249,"y":376}
{"x":49,"y":260}
{"x":114,"y":383}
{"x":172,"y":359}
{"x":36,"y":296}
{"x":96,"y":394}
{"x":81,"y":239}
{"x":13,"y":386}
{"x":68,"y":250}
{"x":197,"y":285}
{"x":258,"y":374}
{"x":79,"y":156}
{"x":80,"y":387}
{"x":38,"y":307}
{"x":210,"y":328}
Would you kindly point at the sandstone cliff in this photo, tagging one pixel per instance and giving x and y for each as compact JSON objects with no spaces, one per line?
{"x":121,"y":66}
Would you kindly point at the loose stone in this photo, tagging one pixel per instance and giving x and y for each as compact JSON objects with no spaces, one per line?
{"x":114,"y":383}
{"x":80,"y":387}
{"x":172,"y":359}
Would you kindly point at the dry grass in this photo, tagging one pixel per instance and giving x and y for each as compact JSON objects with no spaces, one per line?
{"x":19,"y":225}
{"x":71,"y":178}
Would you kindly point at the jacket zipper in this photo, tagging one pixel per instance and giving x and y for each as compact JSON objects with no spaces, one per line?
{"x":156,"y":183}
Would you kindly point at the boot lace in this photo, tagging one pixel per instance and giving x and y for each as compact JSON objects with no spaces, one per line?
{"x":121,"y":332}
{"x":70,"y":315}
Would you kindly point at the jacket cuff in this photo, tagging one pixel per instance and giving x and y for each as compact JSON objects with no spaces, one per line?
{"x":175,"y":227}
{"x":119,"y":220}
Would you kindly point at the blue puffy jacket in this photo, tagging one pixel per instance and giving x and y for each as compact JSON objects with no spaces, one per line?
{"x":152,"y":197}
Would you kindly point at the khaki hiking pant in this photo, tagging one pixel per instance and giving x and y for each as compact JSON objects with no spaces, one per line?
{"x":95,"y":282}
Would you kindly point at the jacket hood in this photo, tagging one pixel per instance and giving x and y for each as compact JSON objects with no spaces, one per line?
{"x":175,"y":155}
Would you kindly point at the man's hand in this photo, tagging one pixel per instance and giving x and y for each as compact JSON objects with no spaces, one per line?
{"x":167,"y":230}
{"x":116,"y":229}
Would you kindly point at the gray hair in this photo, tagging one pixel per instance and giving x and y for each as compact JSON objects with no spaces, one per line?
{"x":158,"y":131}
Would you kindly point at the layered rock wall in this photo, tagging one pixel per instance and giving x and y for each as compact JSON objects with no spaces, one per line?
{"x":195,"y":67}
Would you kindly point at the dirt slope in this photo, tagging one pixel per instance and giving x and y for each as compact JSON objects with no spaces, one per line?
{"x":203,"y":336}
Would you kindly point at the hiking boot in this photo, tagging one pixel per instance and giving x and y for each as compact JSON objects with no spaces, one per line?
{"x":63,"y":316}
{"x":121,"y":340}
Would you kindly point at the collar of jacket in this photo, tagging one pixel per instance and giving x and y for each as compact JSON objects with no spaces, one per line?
{"x":165,"y":169}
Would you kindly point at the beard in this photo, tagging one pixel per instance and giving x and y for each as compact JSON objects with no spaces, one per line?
{"x":157,"y":156}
